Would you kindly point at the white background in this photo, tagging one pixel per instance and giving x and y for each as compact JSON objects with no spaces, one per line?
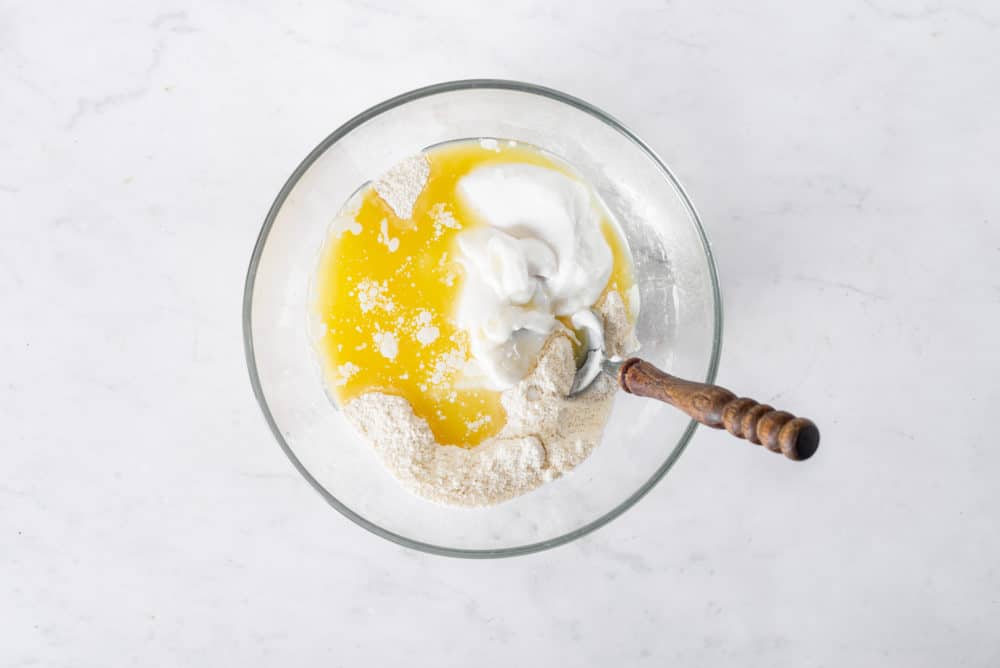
{"x":844,"y":157}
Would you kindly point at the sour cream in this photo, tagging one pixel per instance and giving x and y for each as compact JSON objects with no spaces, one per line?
{"x":539,"y":256}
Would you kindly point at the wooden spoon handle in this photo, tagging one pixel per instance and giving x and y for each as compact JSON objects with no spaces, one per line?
{"x":717,"y":407}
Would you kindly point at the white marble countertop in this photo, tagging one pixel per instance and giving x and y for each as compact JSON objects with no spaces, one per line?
{"x":844,"y":157}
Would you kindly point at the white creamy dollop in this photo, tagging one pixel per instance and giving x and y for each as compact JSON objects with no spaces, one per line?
{"x":541,"y":255}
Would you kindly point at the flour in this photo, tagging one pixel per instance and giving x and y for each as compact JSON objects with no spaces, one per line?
{"x":443,"y":218}
{"x":546,"y":433}
{"x":372,"y":294}
{"x":401,"y":186}
{"x":384,"y":238}
{"x":428,"y":334}
{"x":388,"y":344}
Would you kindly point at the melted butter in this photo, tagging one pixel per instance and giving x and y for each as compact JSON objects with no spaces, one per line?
{"x":386,"y":291}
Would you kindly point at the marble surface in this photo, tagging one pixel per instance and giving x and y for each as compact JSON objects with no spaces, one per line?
{"x":844,"y":157}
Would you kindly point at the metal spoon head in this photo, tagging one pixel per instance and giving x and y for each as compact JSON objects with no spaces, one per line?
{"x":588,"y":372}
{"x":588,"y":327}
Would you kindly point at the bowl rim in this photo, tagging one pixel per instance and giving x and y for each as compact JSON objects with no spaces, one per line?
{"x":290,"y":183}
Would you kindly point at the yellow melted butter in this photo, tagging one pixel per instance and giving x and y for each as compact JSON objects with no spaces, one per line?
{"x":375,"y":298}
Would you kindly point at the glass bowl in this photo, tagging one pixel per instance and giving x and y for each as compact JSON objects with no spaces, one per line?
{"x":679,"y":326}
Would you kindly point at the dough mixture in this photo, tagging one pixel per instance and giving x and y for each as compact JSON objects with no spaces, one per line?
{"x":443,"y":311}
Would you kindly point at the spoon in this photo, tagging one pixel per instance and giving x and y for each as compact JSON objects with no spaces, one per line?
{"x":711,"y":405}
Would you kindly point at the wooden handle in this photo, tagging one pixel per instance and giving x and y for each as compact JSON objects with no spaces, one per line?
{"x":717,"y":407}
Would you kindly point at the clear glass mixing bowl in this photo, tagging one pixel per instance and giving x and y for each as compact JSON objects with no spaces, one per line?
{"x":679,"y":326}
